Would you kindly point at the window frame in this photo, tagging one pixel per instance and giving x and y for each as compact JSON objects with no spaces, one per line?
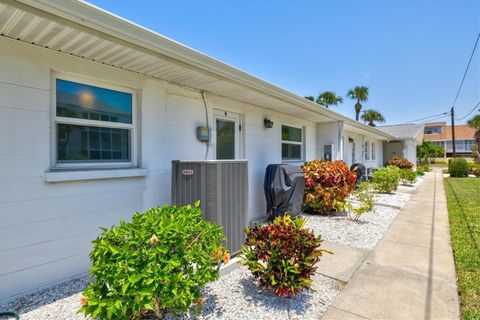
{"x":366,"y":146}
{"x":301,"y":143}
{"x":374,"y":153}
{"x":55,"y":120}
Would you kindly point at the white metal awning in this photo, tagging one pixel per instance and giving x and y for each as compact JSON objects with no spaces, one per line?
{"x":82,"y":30}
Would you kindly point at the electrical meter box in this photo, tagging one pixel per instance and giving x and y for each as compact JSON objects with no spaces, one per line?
{"x":203,"y":134}
{"x":328,"y":152}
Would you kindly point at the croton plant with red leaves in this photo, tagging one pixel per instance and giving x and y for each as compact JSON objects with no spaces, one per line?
{"x":327,"y":184}
{"x":282,"y":255}
{"x":400,"y":163}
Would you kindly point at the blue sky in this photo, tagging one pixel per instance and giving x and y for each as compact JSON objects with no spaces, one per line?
{"x":410,"y":53}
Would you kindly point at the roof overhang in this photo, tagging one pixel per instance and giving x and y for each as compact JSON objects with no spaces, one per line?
{"x":83,"y":30}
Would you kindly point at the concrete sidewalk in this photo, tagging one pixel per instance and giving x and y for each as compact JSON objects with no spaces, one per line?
{"x":410,"y":274}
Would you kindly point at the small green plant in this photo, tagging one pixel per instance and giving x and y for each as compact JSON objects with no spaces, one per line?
{"x":407,"y":176}
{"x":458,"y":167}
{"x":386,"y":179}
{"x":420,"y":171}
{"x":156,"y":263}
{"x":426,"y":167}
{"x":363,"y":196}
{"x":282,"y":255}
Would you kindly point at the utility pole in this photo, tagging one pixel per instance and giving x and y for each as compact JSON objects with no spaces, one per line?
{"x":452,"y":112}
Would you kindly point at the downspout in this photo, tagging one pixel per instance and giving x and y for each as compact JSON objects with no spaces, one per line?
{"x":340,"y":140}
{"x":204,"y":98}
{"x":364,"y":152}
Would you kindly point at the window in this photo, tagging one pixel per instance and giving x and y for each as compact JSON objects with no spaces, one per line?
{"x":469,"y":144}
{"x":433,"y":130}
{"x":374,"y":153}
{"x":367,"y":154}
{"x":95,"y":126}
{"x":292,"y":144}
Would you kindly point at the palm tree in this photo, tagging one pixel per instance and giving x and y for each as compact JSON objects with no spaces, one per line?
{"x":329,"y":98}
{"x":474,"y":122}
{"x":372,"y":116}
{"x":360,"y":94}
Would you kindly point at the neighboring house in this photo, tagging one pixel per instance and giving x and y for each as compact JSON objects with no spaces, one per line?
{"x":93,"y":109}
{"x":408,"y":136}
{"x":441,"y":134}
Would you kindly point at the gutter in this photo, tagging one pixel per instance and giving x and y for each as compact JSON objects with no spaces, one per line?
{"x":102,"y":21}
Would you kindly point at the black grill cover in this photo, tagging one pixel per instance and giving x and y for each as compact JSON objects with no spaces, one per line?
{"x":360,"y":171}
{"x":284,"y":186}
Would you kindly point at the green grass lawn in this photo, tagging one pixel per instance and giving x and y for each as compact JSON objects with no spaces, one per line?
{"x":463,"y":195}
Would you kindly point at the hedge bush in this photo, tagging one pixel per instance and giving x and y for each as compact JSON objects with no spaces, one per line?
{"x":400,"y":163}
{"x":282,"y":255}
{"x":386,"y":179}
{"x":458,"y":167}
{"x":327,"y":184}
{"x":156,"y":263}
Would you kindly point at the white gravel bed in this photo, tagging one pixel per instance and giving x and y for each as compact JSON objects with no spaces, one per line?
{"x":396,"y":199}
{"x":364,"y":233}
{"x":234,"y":296}
{"x":60,"y":302}
{"x":238,"y":296}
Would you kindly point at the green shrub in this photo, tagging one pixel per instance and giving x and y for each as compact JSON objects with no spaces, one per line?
{"x":156,"y":263}
{"x":458,"y":167}
{"x":282,"y":255}
{"x":407,"y":176}
{"x":327,"y":184}
{"x":426,"y":167}
{"x":364,"y":201}
{"x":399,"y":162}
{"x":386,"y":179}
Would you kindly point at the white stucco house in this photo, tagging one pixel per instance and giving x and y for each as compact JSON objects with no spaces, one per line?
{"x":408,"y":137}
{"x":94,"y":108}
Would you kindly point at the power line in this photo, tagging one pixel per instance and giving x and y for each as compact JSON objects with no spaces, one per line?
{"x":452,"y":110}
{"x":469,"y":113}
{"x":441,"y":115}
{"x":466,"y":71}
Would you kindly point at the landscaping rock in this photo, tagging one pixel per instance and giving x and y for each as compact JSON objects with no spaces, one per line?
{"x":363,"y":233}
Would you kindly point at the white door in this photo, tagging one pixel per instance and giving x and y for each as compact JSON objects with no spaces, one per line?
{"x":227,"y":135}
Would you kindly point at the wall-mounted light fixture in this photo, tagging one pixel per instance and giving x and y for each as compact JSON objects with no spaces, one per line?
{"x":268,"y":123}
{"x":350,"y":140}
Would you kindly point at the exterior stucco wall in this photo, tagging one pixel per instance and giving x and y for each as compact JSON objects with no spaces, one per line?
{"x":327,"y":134}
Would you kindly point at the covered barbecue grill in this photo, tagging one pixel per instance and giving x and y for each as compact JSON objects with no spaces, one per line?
{"x":360,"y":171}
{"x":284,"y":186}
